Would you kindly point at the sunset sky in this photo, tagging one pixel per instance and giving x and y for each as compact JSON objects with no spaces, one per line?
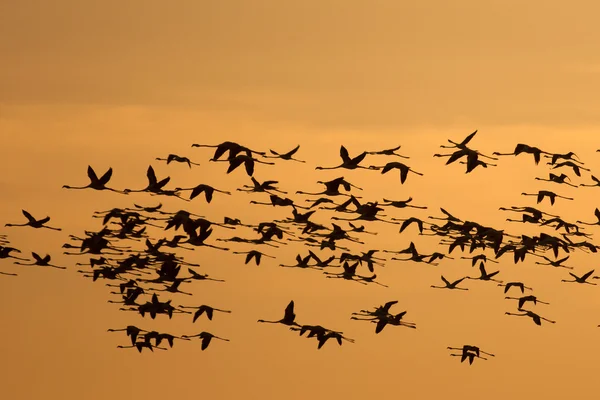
{"x":117,"y":84}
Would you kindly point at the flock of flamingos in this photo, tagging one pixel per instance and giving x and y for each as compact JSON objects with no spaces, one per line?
{"x":140,"y":275}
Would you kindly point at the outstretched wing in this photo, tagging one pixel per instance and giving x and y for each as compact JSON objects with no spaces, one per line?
{"x":468,"y":138}
{"x":344,"y":154}
{"x":36,"y":256}
{"x":358,"y":159}
{"x":289,"y":311}
{"x":28,"y":216}
{"x":151,"y":175}
{"x":91,"y":174}
{"x":456,"y":282}
{"x":587,"y":275}
{"x":106,"y":177}
{"x":292,"y":152}
{"x":482,"y":269}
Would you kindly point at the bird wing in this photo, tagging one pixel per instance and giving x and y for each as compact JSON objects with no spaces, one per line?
{"x":562,"y":260}
{"x":344,"y":154}
{"x":221,"y":149}
{"x":163,"y":182}
{"x":249,"y":165}
{"x":106,"y":177}
{"x":292,"y":152}
{"x":445,"y":281}
{"x":314,"y":256}
{"x":403,"y":173}
{"x":456,"y":282}
{"x":405,"y":224}
{"x":151,"y":175}
{"x":357,"y":160}
{"x":389,"y":304}
{"x":482,"y":269}
{"x":455,"y":156}
{"x":28,"y":216}
{"x":234,"y":163}
{"x":36,"y":256}
{"x":448,"y":214}
{"x":388,"y":167}
{"x":587,"y":275}
{"x":91,"y":174}
{"x":289,"y":310}
{"x":205,"y":342}
{"x":208,"y":193}
{"x":197,"y":314}
{"x":468,"y":138}
{"x":380,"y":325}
{"x":197,"y":191}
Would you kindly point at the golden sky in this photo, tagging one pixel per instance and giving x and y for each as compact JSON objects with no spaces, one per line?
{"x":116,"y":84}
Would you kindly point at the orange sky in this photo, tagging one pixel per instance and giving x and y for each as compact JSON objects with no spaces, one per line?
{"x":114,"y":84}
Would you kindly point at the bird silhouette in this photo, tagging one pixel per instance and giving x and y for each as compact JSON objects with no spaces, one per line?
{"x":286,"y":156}
{"x":518,"y":285}
{"x":204,"y":309}
{"x":524,"y":299}
{"x":35,"y":223}
{"x":581,"y":279}
{"x":95,"y":182}
{"x":42,"y":261}
{"x":206,"y":338}
{"x":535,"y":317}
{"x":403,"y":168}
{"x":450,"y":285}
{"x":174,"y":157}
{"x":288,"y":318}
{"x":347,"y":162}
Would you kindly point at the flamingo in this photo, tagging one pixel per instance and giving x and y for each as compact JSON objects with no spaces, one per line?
{"x":449,"y":285}
{"x":403,"y":168}
{"x":205,"y":309}
{"x":524,"y":299}
{"x":288,"y":318}
{"x":582,"y":279}
{"x":347,"y":162}
{"x":174,"y":157}
{"x":518,"y":285}
{"x":536,"y":318}
{"x":95,"y":182}
{"x":286,"y":156}
{"x":523,"y":148}
{"x":35,"y":223}
{"x":388,"y":152}
{"x":42,"y":262}
{"x":206,"y":338}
